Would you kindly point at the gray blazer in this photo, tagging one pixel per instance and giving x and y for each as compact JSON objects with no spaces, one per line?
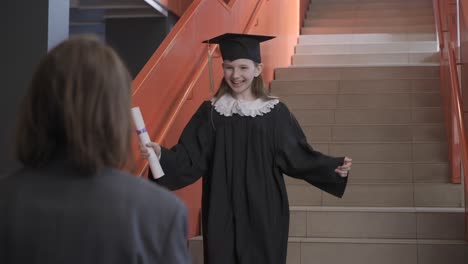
{"x":59,"y":215}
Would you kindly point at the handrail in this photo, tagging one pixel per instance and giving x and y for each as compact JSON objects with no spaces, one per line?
{"x":438,"y":23}
{"x":459,"y":122}
{"x":453,"y":104}
{"x":449,"y":102}
{"x":458,"y":126}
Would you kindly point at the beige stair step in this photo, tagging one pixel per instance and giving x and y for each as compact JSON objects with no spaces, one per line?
{"x":368,"y":29}
{"x":364,"y":251}
{"x":366,"y":1}
{"x":393,"y":172}
{"x":362,"y":101}
{"x":368,"y":7}
{"x":365,"y":12}
{"x":380,"y":195}
{"x":392,"y":47}
{"x":365,"y":38}
{"x":386,"y":151}
{"x":318,"y":3}
{"x":371,"y":251}
{"x":383,"y":64}
{"x":375,"y":132}
{"x":370,"y":3}
{"x":393,"y":21}
{"x":424,"y":115}
{"x":366,"y":59}
{"x":378,"y":12}
{"x":377,"y":222}
{"x":357,"y":73}
{"x":280,"y":88}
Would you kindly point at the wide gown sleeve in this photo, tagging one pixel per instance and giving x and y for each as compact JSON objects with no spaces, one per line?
{"x":187,"y":161}
{"x":296,"y":158}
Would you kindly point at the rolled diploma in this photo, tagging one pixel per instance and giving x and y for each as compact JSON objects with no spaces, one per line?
{"x":153,"y":160}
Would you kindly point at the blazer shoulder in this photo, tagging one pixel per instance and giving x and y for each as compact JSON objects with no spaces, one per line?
{"x":144,"y":190}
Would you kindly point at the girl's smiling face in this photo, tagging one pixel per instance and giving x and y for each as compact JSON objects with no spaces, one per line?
{"x":239,"y":75}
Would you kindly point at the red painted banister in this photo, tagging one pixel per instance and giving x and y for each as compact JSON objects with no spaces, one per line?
{"x":438,"y":23}
{"x":459,"y":125}
{"x":451,"y":93}
{"x":459,"y":139}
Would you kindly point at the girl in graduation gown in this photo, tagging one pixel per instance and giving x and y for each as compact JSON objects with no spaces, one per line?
{"x":243,"y":142}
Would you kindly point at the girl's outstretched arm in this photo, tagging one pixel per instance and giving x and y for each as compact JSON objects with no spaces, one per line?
{"x":296,"y":158}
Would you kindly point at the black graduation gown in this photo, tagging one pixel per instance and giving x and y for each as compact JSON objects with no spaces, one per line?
{"x":245,"y":210}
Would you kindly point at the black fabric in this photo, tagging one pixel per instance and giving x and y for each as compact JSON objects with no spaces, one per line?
{"x":239,"y":46}
{"x":57,"y":215}
{"x":245,"y":207}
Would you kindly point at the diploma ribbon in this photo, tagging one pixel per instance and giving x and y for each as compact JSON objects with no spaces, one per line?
{"x":141,"y":131}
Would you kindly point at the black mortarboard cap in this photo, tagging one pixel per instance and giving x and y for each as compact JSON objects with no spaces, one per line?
{"x":239,"y":46}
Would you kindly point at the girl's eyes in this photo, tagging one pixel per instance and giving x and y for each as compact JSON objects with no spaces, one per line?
{"x":231,"y":67}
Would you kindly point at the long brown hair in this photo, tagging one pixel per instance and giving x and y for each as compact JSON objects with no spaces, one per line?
{"x":77,"y":105}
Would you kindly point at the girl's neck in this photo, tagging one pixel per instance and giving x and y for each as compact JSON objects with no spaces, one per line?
{"x":244,"y":97}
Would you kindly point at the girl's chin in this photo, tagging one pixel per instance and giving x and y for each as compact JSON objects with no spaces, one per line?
{"x":236,"y":86}
{"x":238,"y":90}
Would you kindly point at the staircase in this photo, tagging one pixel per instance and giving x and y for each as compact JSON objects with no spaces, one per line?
{"x":365,"y":83}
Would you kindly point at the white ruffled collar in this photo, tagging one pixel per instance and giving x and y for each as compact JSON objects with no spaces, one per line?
{"x":227,"y":105}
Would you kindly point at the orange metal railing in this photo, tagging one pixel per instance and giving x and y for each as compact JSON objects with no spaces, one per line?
{"x":451,"y":93}
{"x":449,"y":83}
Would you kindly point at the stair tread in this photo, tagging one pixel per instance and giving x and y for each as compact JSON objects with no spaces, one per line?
{"x":378,"y":209}
{"x":399,"y":162}
{"x":381,"y":142}
{"x":375,"y":124}
{"x":364,"y":53}
{"x":377,"y":241}
{"x":367,"y":240}
{"x":364,"y":66}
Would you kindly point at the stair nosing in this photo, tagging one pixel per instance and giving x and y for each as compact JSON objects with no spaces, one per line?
{"x":361,"y":53}
{"x":376,"y":241}
{"x":374,"y":124}
{"x":377,"y":209}
{"x":365,"y":240}
{"x":365,"y":108}
{"x":402,"y":162}
{"x":442,"y":141}
{"x":283,"y":94}
{"x":354,"y":80}
{"x":363,"y":66}
{"x":373,"y":43}
{"x":369,"y":65}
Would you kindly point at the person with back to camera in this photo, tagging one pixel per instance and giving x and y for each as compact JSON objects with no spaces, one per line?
{"x":242,"y":141}
{"x":71,"y":203}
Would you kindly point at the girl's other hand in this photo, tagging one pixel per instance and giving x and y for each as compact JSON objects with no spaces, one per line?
{"x":344,"y":169}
